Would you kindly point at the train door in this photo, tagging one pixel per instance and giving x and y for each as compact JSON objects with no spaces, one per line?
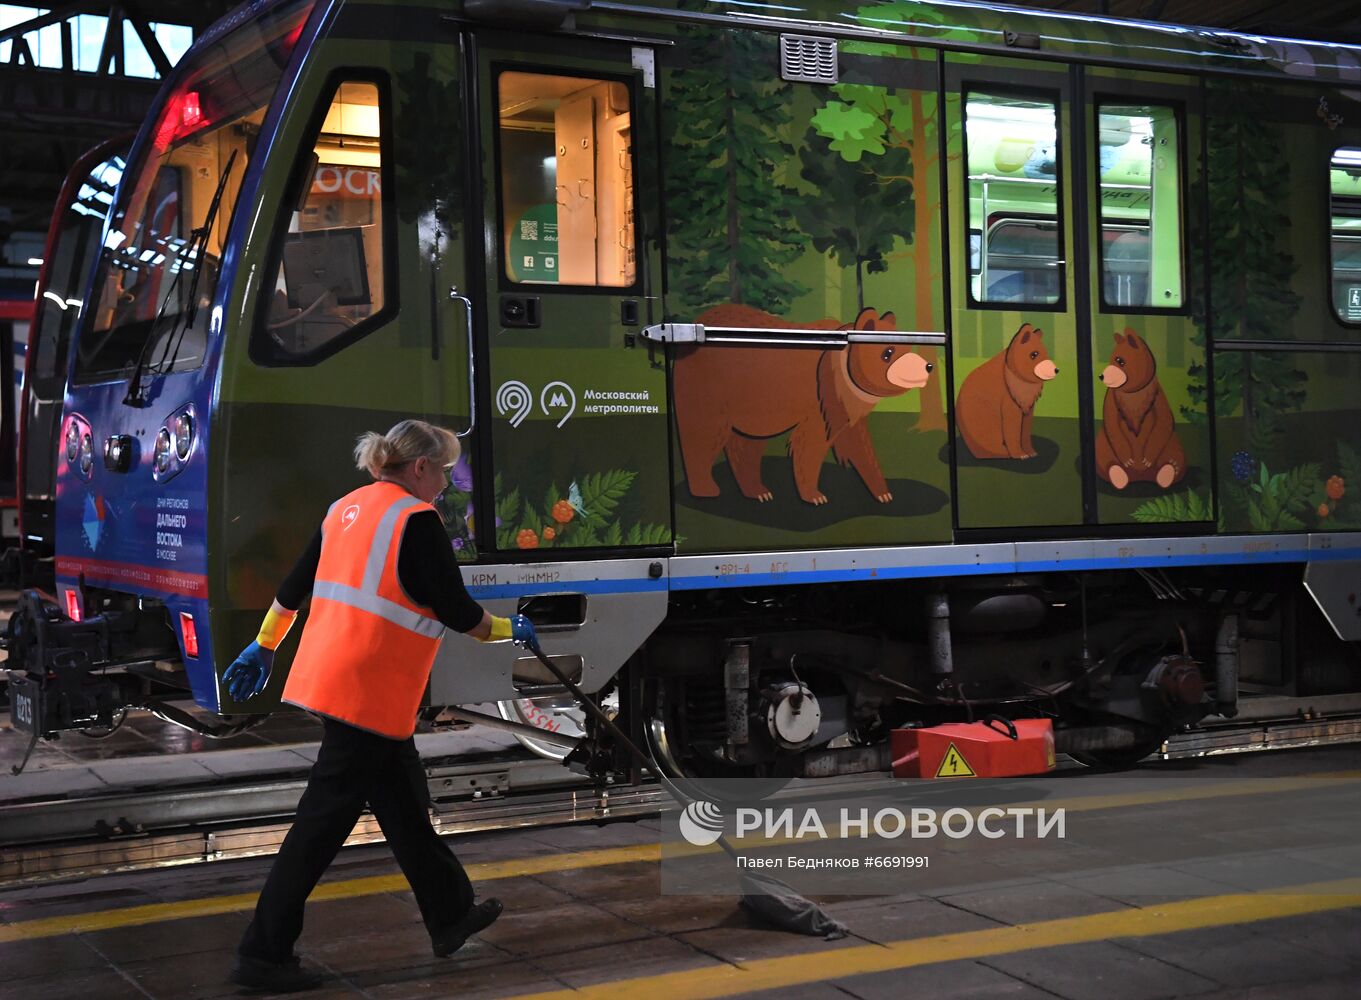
{"x":1151,"y":457}
{"x":576,"y":423}
{"x":1078,"y":325}
{"x":1016,"y":295}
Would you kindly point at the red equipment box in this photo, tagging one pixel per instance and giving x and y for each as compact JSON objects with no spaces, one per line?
{"x":994,"y":748}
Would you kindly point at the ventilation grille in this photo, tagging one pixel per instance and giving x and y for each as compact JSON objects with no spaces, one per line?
{"x":805,"y":59}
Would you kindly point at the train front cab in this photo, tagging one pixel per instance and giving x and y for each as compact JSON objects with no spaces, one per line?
{"x":290,"y":264}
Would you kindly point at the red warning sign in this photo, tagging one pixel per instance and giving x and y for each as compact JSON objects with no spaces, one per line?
{"x":953,"y":765}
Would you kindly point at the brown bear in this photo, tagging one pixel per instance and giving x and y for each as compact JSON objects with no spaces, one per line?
{"x":735,"y":399}
{"x":1138,"y":440}
{"x":997,"y":400}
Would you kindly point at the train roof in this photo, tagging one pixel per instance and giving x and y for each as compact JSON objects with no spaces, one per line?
{"x":1003,"y":29}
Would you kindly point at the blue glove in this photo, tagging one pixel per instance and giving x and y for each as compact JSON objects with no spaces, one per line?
{"x":249,"y":672}
{"x":522,"y":632}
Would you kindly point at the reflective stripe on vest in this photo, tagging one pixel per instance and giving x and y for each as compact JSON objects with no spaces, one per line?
{"x":367,"y":649}
{"x":389,"y":611}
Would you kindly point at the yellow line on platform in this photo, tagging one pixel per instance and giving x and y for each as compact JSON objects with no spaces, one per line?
{"x":486,"y":871}
{"x":483,"y":871}
{"x":823,"y":965}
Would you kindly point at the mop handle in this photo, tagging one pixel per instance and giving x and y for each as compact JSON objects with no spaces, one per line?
{"x":600,"y":716}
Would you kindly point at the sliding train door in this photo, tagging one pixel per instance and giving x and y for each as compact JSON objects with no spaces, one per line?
{"x":1151,"y":455}
{"x":1018,"y":295}
{"x":1079,"y":334}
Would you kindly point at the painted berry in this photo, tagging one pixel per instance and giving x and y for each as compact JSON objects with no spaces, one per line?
{"x":1337,"y":488}
{"x":549,"y":534}
{"x":563,"y":512}
{"x":1242,"y":466}
{"x":1323,"y":510}
{"x":527,"y":539}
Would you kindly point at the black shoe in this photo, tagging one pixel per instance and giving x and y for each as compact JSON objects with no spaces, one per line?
{"x":275,"y":977}
{"x":479,"y":918}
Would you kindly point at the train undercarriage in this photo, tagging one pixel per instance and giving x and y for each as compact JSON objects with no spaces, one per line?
{"x":810,"y":681}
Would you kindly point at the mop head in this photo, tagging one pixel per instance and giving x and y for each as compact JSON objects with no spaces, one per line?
{"x":778,"y":904}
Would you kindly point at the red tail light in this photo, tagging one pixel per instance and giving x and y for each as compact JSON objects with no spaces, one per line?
{"x":73,"y":605}
{"x":190,"y":635}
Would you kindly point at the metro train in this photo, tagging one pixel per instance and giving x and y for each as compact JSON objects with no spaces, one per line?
{"x":73,"y":238}
{"x":822,"y":369}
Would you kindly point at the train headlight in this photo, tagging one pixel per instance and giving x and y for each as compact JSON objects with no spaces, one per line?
{"x":87,"y":454}
{"x":72,"y":441}
{"x":160,"y":457}
{"x":184,"y":435}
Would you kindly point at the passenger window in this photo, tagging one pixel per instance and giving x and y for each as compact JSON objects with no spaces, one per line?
{"x":566,"y":160}
{"x":1015,"y":199}
{"x":1345,"y":209}
{"x":329,"y":277}
{"x":1139,"y":161}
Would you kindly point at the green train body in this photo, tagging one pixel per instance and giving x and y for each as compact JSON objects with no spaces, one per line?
{"x":785,"y":336}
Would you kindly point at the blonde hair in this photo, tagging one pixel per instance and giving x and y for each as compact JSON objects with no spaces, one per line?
{"x":407,"y":441}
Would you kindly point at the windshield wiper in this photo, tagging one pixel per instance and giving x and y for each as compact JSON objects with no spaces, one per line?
{"x":136,"y":395}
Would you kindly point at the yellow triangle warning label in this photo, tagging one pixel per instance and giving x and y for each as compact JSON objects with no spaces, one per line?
{"x":953,"y":765}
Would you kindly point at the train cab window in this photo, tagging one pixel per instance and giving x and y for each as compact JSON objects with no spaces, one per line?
{"x":1345,"y":210}
{"x":1015,"y":199}
{"x":566,"y":161}
{"x":157,"y":276}
{"x":1139,"y":161}
{"x":329,"y":276}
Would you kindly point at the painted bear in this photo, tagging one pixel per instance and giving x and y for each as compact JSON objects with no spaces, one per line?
{"x":997,"y":400}
{"x":1138,"y":440}
{"x":735,"y":399}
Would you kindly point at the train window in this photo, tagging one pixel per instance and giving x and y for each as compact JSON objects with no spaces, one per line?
{"x":1015,"y":199}
{"x":566,"y":159}
{"x":1139,"y":157}
{"x":162,"y":257}
{"x":329,"y":275}
{"x":1345,"y":211}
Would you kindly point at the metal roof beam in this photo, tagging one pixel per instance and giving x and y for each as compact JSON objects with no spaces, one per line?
{"x":132,"y":12}
{"x":57,"y":14}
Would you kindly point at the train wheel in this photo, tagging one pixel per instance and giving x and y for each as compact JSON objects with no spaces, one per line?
{"x":703,"y":775}
{"x":1147,"y":741}
{"x":555,"y":713}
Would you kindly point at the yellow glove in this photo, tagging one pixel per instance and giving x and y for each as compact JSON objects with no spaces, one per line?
{"x":275,"y":628}
{"x":500,"y":630}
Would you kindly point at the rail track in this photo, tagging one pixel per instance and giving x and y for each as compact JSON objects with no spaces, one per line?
{"x":165,"y":826}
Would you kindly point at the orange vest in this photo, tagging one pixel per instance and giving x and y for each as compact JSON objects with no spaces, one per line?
{"x":367,"y":649}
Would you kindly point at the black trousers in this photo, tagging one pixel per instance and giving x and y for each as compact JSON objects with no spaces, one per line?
{"x":353,"y":767}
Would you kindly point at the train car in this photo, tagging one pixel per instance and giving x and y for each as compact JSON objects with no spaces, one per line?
{"x":16,"y":317}
{"x":73,"y":239}
{"x":822,"y":370}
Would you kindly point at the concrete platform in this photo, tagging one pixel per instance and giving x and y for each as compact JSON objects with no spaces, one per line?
{"x":585,"y":916}
{"x":147,"y":752}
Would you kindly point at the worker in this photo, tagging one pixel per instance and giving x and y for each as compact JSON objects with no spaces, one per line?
{"x":385,"y":584}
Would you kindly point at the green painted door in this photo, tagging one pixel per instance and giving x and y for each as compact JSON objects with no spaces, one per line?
{"x":1152,"y":455}
{"x":1016,"y":294}
{"x":573,"y":402}
{"x":1077,"y":296}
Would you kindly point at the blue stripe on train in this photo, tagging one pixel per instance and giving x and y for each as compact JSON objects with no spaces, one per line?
{"x":706,"y":581}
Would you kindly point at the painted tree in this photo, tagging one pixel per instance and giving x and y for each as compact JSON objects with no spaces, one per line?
{"x":891,"y":136}
{"x":1252,"y":266}
{"x":854,"y":211}
{"x":731,"y":232}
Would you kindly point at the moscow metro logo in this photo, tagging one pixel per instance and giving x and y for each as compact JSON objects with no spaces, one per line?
{"x":349,"y":515}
